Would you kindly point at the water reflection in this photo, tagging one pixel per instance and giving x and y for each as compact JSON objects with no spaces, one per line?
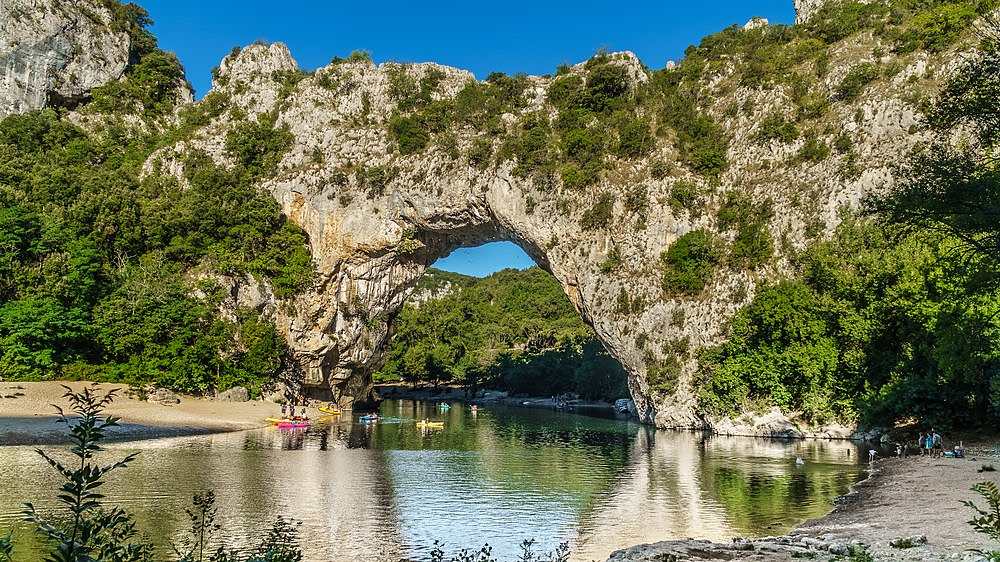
{"x":680,"y":485}
{"x":387,"y":491}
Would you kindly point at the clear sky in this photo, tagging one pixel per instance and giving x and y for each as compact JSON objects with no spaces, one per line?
{"x":529,"y":36}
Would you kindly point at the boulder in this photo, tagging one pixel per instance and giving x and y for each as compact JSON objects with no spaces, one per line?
{"x":235,"y":394}
{"x":163,"y":396}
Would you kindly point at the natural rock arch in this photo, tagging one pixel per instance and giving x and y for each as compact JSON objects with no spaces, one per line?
{"x":377,"y":218}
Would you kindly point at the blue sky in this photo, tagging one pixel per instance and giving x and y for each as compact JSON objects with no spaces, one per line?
{"x":513,"y":36}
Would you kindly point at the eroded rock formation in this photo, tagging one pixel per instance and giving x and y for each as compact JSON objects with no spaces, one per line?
{"x":54,"y":52}
{"x":378,"y":216}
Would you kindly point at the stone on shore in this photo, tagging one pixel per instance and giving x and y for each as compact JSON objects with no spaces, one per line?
{"x":163,"y":396}
{"x":235,"y":394}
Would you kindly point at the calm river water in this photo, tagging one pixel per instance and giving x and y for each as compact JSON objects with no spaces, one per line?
{"x":387,"y":491}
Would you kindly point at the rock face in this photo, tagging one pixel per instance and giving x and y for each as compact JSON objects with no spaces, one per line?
{"x":377,"y":218}
{"x":53,"y":52}
{"x":805,"y":8}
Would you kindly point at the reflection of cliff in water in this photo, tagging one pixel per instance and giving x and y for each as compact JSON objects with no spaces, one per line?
{"x":689,"y":485}
{"x":255,"y":475}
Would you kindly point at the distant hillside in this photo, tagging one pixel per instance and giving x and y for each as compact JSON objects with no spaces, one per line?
{"x":437,"y":283}
{"x":513,"y":330}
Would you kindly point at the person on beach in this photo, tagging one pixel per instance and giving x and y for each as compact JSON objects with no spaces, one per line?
{"x":920,"y":444}
{"x":899,"y":451}
{"x":872,"y":455}
{"x":284,"y":409}
{"x":928,"y":444}
{"x":936,"y":441}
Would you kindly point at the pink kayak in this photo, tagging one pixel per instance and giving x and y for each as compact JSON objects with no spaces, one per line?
{"x":292,"y":424}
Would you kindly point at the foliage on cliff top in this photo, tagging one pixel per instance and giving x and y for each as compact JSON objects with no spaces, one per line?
{"x":514,"y":330}
{"x":153,"y":79}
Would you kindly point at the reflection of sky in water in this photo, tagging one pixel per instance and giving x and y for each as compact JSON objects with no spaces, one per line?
{"x":386,"y":491}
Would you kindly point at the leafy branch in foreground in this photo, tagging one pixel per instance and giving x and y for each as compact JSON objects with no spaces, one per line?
{"x":988,"y":521}
{"x":528,"y":554}
{"x":90,"y":532}
{"x":7,"y":546}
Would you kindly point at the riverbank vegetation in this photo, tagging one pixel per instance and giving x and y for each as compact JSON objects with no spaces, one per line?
{"x":513,"y":330}
{"x":896,"y":318}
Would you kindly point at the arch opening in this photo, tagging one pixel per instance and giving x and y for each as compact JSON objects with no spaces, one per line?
{"x":511,"y":329}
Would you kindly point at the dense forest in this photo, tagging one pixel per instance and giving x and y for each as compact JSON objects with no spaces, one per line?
{"x":513,"y":330}
{"x":104,"y":274}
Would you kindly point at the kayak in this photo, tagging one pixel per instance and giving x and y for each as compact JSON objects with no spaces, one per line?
{"x":444,"y":406}
{"x":368,"y":419}
{"x":326,"y":410}
{"x":292,"y":424}
{"x":288,"y":422}
{"x":430,"y":424}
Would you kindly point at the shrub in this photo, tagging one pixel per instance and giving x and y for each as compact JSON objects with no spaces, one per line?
{"x":834,"y":21}
{"x":937,"y":28}
{"x":409,"y":133}
{"x":480,"y":153}
{"x":753,"y":245}
{"x":634,"y":138}
{"x":257,"y":146}
{"x":987,"y":520}
{"x":87,"y":531}
{"x":689,"y":263}
{"x":606,"y":86}
{"x":683,"y":195}
{"x":662,"y":376}
{"x":813,"y":151}
{"x":776,"y":127}
{"x":859,"y":76}
{"x":600,"y":215}
{"x":374,"y":180}
{"x":659,"y":170}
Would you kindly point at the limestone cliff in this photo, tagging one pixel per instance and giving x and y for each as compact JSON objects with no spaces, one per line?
{"x":384,"y":186}
{"x":377,"y":218}
{"x":54,"y":52}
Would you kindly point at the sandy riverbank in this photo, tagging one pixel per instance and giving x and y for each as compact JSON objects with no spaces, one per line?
{"x":27,"y":414}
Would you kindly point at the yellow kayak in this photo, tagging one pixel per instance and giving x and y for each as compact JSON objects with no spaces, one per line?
{"x":274,"y":420}
{"x":326,"y":410}
{"x":430,"y":424}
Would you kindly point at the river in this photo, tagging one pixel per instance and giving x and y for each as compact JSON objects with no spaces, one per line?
{"x":388,"y":491}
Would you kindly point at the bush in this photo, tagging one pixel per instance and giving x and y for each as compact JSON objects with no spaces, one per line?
{"x":258,"y":146}
{"x":753,"y":245}
{"x":683,"y":195}
{"x":480,"y":153}
{"x":634,"y":138}
{"x":938,"y":28}
{"x":776,"y":127}
{"x":409,"y":133}
{"x":689,"y":263}
{"x":859,"y":76}
{"x":813,"y":151}
{"x":600,"y":215}
{"x":607,"y":85}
